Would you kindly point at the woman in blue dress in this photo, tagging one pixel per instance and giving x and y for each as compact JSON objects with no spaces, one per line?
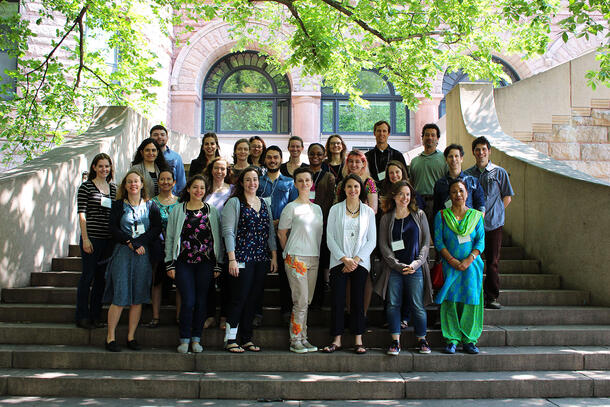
{"x":459,"y":236}
{"x":134,"y":223}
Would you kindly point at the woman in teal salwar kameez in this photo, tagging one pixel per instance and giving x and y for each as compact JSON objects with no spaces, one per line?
{"x":459,"y":236}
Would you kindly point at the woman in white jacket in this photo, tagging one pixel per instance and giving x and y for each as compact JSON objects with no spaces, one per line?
{"x":351,"y":237}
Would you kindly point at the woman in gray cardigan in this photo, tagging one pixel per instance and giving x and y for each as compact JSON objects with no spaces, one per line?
{"x":149,"y":161}
{"x":404,"y":242}
{"x":247,"y":227}
{"x":193,"y":250}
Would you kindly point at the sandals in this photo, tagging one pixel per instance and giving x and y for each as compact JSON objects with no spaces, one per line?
{"x":359,"y":349}
{"x":234,"y":348}
{"x":250,"y":346}
{"x":332,"y":348}
{"x":154,"y":323}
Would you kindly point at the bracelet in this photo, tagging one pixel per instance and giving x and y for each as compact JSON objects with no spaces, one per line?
{"x":473,"y":256}
{"x":232,"y":259}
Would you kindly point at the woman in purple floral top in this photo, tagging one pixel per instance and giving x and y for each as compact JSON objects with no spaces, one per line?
{"x":193,"y":249}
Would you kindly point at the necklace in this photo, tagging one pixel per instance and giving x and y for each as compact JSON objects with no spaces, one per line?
{"x":353,"y":213}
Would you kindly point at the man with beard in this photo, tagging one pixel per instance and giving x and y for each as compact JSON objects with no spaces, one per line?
{"x":277,"y":190}
{"x":428,"y":167}
{"x":173,"y":159}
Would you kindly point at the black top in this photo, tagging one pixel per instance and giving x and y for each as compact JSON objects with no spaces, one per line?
{"x":378,"y":160}
{"x":406,"y":229}
{"x":284,"y":169}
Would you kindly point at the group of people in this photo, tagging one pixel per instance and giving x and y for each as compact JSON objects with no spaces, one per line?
{"x":326,"y":223}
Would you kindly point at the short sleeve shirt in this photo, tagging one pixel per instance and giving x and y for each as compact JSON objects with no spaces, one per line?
{"x":496,"y":185}
{"x":305,"y":222}
{"x":426,"y":170}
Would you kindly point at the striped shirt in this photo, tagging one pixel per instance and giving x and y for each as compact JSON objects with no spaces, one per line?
{"x":89,"y":202}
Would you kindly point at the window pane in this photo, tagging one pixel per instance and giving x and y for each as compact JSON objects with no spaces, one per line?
{"x":247,"y":81}
{"x":401,"y":118}
{"x":372,"y":84}
{"x":7,"y":62}
{"x":209,"y":117}
{"x":283,"y":116}
{"x":246,"y":115}
{"x":327,"y":117}
{"x":355,"y":119}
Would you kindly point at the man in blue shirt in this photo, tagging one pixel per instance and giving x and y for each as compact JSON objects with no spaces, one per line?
{"x":454,"y":156}
{"x":277,"y":190}
{"x":498,"y":194}
{"x":173,"y":159}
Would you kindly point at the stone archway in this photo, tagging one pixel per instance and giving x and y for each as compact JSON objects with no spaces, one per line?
{"x":208,"y":45}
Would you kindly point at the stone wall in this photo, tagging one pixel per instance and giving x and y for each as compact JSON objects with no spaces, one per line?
{"x":559,"y":215}
{"x":38,"y":199}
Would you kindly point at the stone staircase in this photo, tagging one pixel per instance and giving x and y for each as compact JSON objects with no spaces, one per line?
{"x":545,"y":342}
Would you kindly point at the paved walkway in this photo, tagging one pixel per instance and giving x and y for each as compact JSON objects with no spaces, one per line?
{"x":100,"y":402}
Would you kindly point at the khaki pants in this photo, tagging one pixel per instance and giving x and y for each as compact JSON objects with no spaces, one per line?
{"x":302,"y":272}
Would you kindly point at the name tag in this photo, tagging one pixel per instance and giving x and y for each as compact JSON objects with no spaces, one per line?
{"x":381,"y":176}
{"x":137,"y":231}
{"x":448,"y":204}
{"x":312,"y":195}
{"x":241,"y":265}
{"x":463,"y":239}
{"x":398,"y":245}
{"x":106,"y":202}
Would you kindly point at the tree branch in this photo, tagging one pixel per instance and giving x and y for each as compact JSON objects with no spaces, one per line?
{"x":85,"y":67}
{"x":78,"y":20}
{"x":81,"y":53}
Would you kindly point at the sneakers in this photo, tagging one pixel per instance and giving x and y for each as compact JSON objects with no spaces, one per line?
{"x":422,"y":346}
{"x":298,"y":347}
{"x":309,"y":346}
{"x":450,"y":348}
{"x":183,"y":348}
{"x":492,"y":304}
{"x":394,"y":348}
{"x":470,"y":348}
{"x":196,"y":347}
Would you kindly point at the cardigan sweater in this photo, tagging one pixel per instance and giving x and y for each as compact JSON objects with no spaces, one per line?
{"x":230,"y":222}
{"x":175,"y":222}
{"x":148,"y":181}
{"x":367,"y":235}
{"x":389,"y":259}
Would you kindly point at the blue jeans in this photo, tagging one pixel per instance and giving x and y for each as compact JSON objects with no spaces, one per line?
{"x":411,"y":286}
{"x":192,"y":280}
{"x":246,"y":292}
{"x":94,"y":272}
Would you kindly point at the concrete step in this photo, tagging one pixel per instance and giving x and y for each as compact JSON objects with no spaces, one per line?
{"x":508,"y":315}
{"x":148,"y":402}
{"x":505,"y":358}
{"x":507,"y":251}
{"x":507,"y":266}
{"x":278,"y":338}
{"x":67,"y":295}
{"x":304,"y":386}
{"x":514,"y":281}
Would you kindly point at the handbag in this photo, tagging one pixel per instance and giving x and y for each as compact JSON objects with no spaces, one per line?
{"x":437,"y":276}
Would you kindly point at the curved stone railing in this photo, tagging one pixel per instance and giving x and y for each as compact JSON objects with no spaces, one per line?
{"x":559,"y":215}
{"x":38,"y":199}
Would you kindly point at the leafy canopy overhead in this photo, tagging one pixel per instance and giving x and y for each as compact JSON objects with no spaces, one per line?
{"x":408,"y":41}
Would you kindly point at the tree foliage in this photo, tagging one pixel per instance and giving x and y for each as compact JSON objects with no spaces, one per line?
{"x":410,"y":42}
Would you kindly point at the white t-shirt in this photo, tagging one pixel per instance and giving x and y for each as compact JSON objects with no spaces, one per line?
{"x":306,"y":225}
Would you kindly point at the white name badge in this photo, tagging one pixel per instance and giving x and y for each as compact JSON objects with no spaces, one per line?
{"x":463,"y":239}
{"x":381,"y":176}
{"x":140,"y":229}
{"x":312,"y":195}
{"x":241,"y":265}
{"x":106,"y":202}
{"x":448,"y":204}
{"x":398,"y":245}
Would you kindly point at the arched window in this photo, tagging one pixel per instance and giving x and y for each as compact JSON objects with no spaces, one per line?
{"x":338,"y":116}
{"x":243,"y":93}
{"x":453,"y":78}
